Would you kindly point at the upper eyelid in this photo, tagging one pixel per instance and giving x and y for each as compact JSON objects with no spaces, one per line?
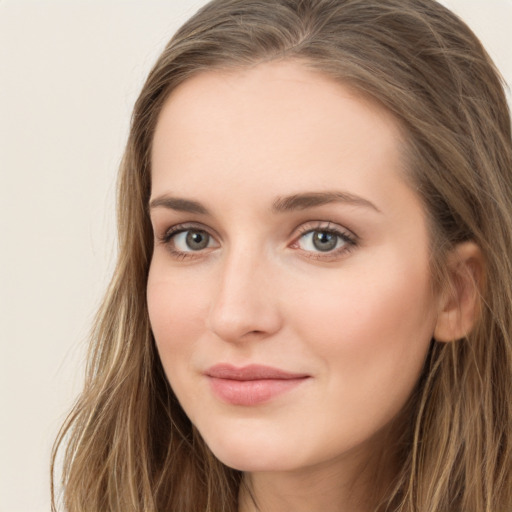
{"x":297,"y":232}
{"x":326,"y":226}
{"x":188,"y":226}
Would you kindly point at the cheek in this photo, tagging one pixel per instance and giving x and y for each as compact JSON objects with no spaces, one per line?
{"x":177,"y":311}
{"x":371,"y":328}
{"x":383,"y":292}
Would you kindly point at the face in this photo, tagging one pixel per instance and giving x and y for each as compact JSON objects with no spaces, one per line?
{"x":289,"y":291}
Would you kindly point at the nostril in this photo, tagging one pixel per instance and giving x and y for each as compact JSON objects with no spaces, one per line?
{"x":243,"y":307}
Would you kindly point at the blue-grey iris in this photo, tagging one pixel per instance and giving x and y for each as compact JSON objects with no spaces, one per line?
{"x":197,"y":240}
{"x":324,"y":241}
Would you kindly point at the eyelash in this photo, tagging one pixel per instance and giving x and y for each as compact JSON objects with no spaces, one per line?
{"x":171,"y":233}
{"x":350,"y":241}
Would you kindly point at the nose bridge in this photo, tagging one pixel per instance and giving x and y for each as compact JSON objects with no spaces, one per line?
{"x":245,"y":301}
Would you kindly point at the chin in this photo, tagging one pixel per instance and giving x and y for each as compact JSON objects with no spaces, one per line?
{"x":249,"y":453}
{"x":249,"y":462}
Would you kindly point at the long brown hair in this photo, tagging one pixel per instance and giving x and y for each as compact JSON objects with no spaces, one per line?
{"x":129,"y":445}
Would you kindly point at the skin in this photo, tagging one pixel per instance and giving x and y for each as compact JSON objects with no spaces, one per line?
{"x":356,"y":320}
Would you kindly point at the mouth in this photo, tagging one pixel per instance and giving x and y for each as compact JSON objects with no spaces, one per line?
{"x":251,"y":385}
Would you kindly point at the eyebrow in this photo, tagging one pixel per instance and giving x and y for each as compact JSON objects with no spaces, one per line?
{"x":312,"y":199}
{"x":284,"y":204}
{"x":179,"y":204}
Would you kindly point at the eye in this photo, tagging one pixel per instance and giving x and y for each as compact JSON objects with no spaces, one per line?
{"x":324,"y":241}
{"x":186,"y":241}
{"x":191,"y":240}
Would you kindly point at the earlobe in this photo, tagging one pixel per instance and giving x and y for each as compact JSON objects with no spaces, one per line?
{"x":460,"y":301}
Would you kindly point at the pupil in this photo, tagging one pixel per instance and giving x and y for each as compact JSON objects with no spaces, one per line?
{"x":197,"y":240}
{"x":324,"y":241}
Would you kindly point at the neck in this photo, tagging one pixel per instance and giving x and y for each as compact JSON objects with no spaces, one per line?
{"x":352,"y":484}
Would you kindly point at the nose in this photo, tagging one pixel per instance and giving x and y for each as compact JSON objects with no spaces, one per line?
{"x":246,"y":303}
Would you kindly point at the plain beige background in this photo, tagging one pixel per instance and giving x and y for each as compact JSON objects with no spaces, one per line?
{"x":70,"y":71}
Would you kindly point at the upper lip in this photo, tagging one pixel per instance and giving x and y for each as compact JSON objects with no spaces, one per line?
{"x":251,"y":372}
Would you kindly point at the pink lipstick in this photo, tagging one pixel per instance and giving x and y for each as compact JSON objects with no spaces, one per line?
{"x":251,"y":385}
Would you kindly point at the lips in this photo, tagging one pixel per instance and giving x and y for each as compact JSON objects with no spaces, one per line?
{"x":251,"y":385}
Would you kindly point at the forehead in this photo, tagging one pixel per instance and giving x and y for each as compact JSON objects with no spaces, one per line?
{"x":292,"y":85}
{"x":280,"y":121}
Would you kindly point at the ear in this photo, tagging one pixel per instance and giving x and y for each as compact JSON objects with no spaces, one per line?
{"x":460,"y":300}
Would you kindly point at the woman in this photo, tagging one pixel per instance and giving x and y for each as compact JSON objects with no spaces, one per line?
{"x":311,"y":306}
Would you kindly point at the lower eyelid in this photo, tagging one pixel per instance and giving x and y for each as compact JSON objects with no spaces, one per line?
{"x":334,"y":255}
{"x":350,"y":241}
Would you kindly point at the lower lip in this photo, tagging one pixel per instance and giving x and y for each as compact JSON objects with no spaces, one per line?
{"x":251,"y":392}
